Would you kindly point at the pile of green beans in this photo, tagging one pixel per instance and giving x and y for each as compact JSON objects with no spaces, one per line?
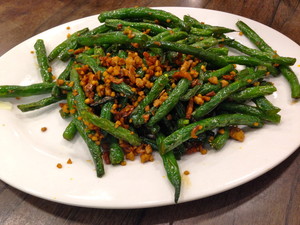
{"x":179,"y":123}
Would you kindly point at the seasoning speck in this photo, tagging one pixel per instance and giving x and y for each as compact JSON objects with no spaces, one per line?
{"x":69,"y":161}
{"x":59,"y":166}
{"x":68,"y":28}
{"x":89,"y":161}
{"x":203,"y":151}
{"x":43,"y":129}
{"x":186,"y":172}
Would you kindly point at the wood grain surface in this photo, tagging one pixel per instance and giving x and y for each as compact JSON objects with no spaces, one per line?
{"x":271,"y":199}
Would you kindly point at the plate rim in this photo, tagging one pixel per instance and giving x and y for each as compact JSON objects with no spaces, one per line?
{"x":250,"y":178}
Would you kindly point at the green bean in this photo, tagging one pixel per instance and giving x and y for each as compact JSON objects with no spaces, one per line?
{"x":150,"y":142}
{"x":225,"y":93}
{"x":182,"y":122}
{"x":153,"y":29}
{"x":106,"y":110}
{"x":202,"y":54}
{"x":164,"y":18}
{"x":90,"y":61}
{"x":171,"y":168}
{"x":245,"y":72}
{"x":170,"y":102}
{"x":65,"y":45}
{"x":183,"y":134}
{"x":123,"y":54}
{"x":191,"y":92}
{"x":265,"y":105}
{"x":99,"y":51}
{"x":113,"y":49}
{"x":105,"y":124}
{"x":158,"y":86}
{"x":84,"y":133}
{"x":70,"y":131}
{"x":252,"y":92}
{"x":109,"y":127}
{"x":65,"y":75}
{"x":292,"y":79}
{"x":206,"y":43}
{"x":250,"y":110}
{"x":164,"y":34}
{"x":191,"y":39}
{"x":171,"y":56}
{"x":66,"y":53}
{"x":192,"y":22}
{"x":220,"y":72}
{"x":87,"y":51}
{"x":250,"y":61}
{"x":65,"y":87}
{"x":116,"y":154}
{"x":80,"y":95}
{"x":92,"y":146}
{"x":45,"y":69}
{"x":113,"y":37}
{"x":264,"y":56}
{"x":39,"y":104}
{"x":64,"y":114}
{"x":201,"y":32}
{"x":221,"y":51}
{"x":220,"y":139}
{"x":106,"y":113}
{"x":175,"y":36}
{"x":208,"y":87}
{"x":99,"y":30}
{"x":254,"y":37}
{"x":123,"y":88}
{"x":288,"y":74}
{"x":56,"y":90}
{"x":9,"y":91}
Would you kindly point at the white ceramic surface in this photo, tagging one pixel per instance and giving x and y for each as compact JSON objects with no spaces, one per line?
{"x":28,"y":157}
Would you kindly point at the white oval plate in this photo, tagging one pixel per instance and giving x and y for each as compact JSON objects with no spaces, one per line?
{"x":28,"y":157}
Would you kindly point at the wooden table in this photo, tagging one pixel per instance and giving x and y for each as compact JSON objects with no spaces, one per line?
{"x":273,"y":198}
